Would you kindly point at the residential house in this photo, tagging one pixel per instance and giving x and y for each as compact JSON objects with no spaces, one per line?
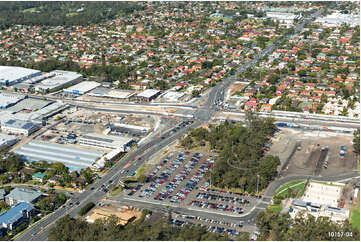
{"x":18,"y":195}
{"x":39,"y":176}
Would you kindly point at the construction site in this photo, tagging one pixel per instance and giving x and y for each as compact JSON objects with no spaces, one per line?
{"x":325,"y":154}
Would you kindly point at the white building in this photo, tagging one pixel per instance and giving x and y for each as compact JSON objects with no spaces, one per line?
{"x":58,"y":81}
{"x":19,"y":127}
{"x":285,"y":18}
{"x":10,"y":75}
{"x":7,"y":140}
{"x":321,"y":199}
{"x":106,"y":142}
{"x":82,"y":87}
{"x":111,"y":93}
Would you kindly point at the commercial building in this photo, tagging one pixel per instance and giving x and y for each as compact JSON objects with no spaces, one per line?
{"x":146,"y":95}
{"x":58,"y":81}
{"x":7,"y":140}
{"x":107,"y":142}
{"x":111,"y":93}
{"x":338,"y":19}
{"x":125,"y":214}
{"x":18,"y":195}
{"x":10,"y":75}
{"x":82,"y":87}
{"x":15,"y":216}
{"x":73,"y":158}
{"x":286,"y":18}
{"x":9,"y":99}
{"x":16,"y":126}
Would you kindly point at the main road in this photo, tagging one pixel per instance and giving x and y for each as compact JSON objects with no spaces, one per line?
{"x":40,"y":230}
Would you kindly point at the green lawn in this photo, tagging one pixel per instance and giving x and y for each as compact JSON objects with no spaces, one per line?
{"x":276,"y":208}
{"x":355,"y":214}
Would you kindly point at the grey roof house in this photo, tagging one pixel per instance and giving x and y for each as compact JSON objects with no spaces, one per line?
{"x":21,"y":195}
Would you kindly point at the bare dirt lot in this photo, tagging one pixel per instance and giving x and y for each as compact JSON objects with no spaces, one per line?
{"x":318,"y":153}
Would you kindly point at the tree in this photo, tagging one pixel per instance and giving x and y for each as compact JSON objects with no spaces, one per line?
{"x":275,"y":226}
{"x":195,"y":93}
{"x":356,"y":141}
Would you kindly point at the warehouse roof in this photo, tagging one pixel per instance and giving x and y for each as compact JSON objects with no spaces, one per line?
{"x":5,"y":139}
{"x":29,"y":104}
{"x":114,"y":93}
{"x":173,"y":96}
{"x":13,"y":73}
{"x":60,"y":78}
{"x":74,"y":158}
{"x":83,"y":87}
{"x":9,"y":98}
{"x":148,"y":93}
{"x":15,"y":213}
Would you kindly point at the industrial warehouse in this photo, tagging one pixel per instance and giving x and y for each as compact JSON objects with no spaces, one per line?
{"x":58,"y":81}
{"x":82,"y":88}
{"x":19,"y":127}
{"x":7,"y":140}
{"x":10,"y":75}
{"x":73,"y":158}
{"x":9,"y":99}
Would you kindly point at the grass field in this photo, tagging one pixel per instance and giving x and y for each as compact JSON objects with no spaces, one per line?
{"x":71,"y":14}
{"x":355,"y":214}
{"x":219,"y":18}
{"x":276,"y":208}
{"x":283,"y":189}
{"x":116,"y":192}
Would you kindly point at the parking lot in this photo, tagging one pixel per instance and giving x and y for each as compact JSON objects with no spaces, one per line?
{"x":179,"y":179}
{"x":219,"y":226}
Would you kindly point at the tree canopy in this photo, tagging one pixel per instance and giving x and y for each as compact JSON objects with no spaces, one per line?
{"x":275,"y":226}
{"x":241,"y":153}
{"x":68,"y":228}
